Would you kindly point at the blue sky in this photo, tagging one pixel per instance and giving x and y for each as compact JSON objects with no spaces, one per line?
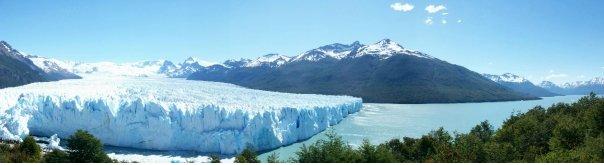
{"x":558,"y":40}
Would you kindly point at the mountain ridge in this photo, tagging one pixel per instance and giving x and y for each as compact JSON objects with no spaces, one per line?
{"x":383,"y":72}
{"x":595,"y":85}
{"x":520,"y":84}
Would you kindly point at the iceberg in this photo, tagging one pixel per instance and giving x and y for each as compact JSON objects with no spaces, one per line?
{"x":169,"y":114}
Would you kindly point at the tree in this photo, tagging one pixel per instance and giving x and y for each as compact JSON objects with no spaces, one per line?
{"x":484,"y":131}
{"x":330,"y":150}
{"x":5,"y":153}
{"x":214,"y":159}
{"x":273,"y":158}
{"x":30,"y":150}
{"x":56,"y":156}
{"x":85,"y":148}
{"x":247,"y":156}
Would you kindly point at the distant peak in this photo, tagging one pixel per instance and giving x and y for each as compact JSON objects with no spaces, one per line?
{"x":271,"y":55}
{"x":384,"y":41}
{"x":4,"y":45}
{"x":506,"y":77}
{"x":190,"y":60}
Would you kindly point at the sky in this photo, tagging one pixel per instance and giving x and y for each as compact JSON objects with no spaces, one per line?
{"x":558,"y":41}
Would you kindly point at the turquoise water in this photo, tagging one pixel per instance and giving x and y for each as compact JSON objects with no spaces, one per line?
{"x":381,"y":122}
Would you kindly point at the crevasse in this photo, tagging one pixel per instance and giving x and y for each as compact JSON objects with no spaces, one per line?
{"x":169,"y":114}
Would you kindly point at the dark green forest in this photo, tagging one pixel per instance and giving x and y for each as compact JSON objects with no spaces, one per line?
{"x":560,"y":133}
{"x":82,"y":147}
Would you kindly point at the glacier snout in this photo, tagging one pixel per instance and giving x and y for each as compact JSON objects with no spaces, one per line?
{"x":169,"y":114}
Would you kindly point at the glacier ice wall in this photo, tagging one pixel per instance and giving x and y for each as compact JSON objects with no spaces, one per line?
{"x":169,"y":114}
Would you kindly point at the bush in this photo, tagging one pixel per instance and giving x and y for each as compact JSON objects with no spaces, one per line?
{"x":85,"y":148}
{"x":247,"y":156}
{"x":214,"y":159}
{"x":273,"y":158}
{"x":331,"y":150}
{"x":56,"y":156}
{"x":30,"y":149}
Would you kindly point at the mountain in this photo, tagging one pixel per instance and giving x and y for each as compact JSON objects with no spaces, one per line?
{"x":334,"y":51}
{"x":154,"y":68}
{"x":18,"y":69}
{"x":552,"y":87}
{"x":520,"y":84}
{"x":186,"y":68}
{"x":55,"y":69}
{"x":382,"y":72}
{"x":595,"y":85}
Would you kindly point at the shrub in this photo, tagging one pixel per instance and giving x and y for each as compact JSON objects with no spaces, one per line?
{"x":214,"y":159}
{"x":85,"y":148}
{"x":273,"y":158}
{"x":247,"y":156}
{"x":56,"y":156}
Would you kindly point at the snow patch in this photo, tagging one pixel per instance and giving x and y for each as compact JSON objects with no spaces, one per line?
{"x":507,"y":77}
{"x":387,"y":48}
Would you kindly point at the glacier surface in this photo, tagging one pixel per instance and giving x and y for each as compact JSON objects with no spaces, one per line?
{"x":169,"y":114}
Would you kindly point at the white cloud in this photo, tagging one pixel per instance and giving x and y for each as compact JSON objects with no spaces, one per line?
{"x":435,"y":9}
{"x":443,"y":21}
{"x":429,"y":21}
{"x":581,"y":76}
{"x":459,"y":21}
{"x":555,"y":76}
{"x":402,"y":7}
{"x":444,"y":14}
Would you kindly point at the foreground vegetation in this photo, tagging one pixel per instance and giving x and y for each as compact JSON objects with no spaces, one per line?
{"x":82,"y":147}
{"x":560,"y":133}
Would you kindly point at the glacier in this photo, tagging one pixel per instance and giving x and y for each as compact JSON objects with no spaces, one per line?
{"x":169,"y":114}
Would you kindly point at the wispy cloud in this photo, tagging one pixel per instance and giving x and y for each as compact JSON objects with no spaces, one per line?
{"x":429,"y":21}
{"x":402,"y":7}
{"x":443,"y":21}
{"x":459,"y":21}
{"x":444,"y":14}
{"x":435,"y":8}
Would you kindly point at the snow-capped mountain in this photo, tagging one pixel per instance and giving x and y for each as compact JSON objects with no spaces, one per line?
{"x":577,"y":84}
{"x":184,"y":69}
{"x":137,"y":69}
{"x":383,"y":49}
{"x":520,"y":84}
{"x":506,"y":77}
{"x":8,"y":51}
{"x":335,"y":51}
{"x":156,"y":68}
{"x":548,"y":84}
{"x":16,"y":68}
{"x":380,"y":72}
{"x":576,"y":88}
{"x":387,"y":48}
{"x":269,"y":59}
{"x":55,"y":68}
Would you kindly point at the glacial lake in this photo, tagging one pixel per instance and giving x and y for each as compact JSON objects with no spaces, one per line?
{"x":381,"y":122}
